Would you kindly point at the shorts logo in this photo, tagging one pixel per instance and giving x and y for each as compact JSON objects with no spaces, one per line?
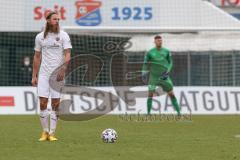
{"x":88,"y":13}
{"x":57,"y":39}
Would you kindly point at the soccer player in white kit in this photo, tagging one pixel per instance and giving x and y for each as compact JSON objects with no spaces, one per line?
{"x":52,"y":49}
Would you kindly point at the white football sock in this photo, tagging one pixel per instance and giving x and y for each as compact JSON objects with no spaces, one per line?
{"x":53,"y":122}
{"x":44,"y":117}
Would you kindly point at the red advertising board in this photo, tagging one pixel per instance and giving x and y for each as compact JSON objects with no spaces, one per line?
{"x":7,"y":101}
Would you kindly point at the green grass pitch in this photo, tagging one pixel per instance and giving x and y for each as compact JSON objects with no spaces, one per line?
{"x":203,"y":138}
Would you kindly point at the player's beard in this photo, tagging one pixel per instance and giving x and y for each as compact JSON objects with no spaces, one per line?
{"x":159,"y":46}
{"x":54,"y":28}
{"x":51,"y":28}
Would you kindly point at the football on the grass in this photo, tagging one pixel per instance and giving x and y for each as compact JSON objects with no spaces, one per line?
{"x":109,"y":135}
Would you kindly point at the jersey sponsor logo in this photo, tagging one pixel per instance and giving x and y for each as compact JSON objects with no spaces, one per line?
{"x":53,"y":46}
{"x":88,"y":13}
{"x":7,"y":101}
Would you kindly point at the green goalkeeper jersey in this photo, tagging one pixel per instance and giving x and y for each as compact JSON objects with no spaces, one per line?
{"x":157,"y":61}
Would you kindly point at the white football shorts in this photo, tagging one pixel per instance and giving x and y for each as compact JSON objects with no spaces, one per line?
{"x":44,"y":89}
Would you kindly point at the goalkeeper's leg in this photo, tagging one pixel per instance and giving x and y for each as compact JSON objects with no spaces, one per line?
{"x":149,"y":102}
{"x":167,"y":86}
{"x":174,"y":102}
{"x":151,"y":90}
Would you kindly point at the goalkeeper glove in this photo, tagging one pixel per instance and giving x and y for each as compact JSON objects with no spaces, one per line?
{"x":164,"y":75}
{"x":145,"y":77}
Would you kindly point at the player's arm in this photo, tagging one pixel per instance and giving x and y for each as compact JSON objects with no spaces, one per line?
{"x":36,"y":66}
{"x":67,"y":57}
{"x":145,"y":68}
{"x":145,"y":62}
{"x":36,"y":60}
{"x":165,"y":75}
{"x":169,"y":59}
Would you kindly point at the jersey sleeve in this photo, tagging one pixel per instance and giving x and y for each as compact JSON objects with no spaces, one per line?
{"x":66,"y":41}
{"x":38,"y":46}
{"x":169,"y":59}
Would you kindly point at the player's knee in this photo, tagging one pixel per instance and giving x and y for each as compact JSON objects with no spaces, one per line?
{"x":55,"y":105}
{"x":150,"y":94}
{"x":43,"y":105}
{"x":171,"y":94}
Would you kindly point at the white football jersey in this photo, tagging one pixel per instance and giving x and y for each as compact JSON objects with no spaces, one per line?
{"x":52,"y":50}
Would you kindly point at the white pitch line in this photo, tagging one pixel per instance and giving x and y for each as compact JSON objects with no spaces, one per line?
{"x":237,"y":136}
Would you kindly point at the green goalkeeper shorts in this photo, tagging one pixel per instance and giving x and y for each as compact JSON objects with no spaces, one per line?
{"x":166,"y":85}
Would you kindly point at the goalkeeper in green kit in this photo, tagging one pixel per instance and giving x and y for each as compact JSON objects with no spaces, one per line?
{"x":155,"y":72}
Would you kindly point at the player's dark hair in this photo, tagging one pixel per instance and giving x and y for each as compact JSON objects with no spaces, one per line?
{"x":49,"y":15}
{"x":157,"y":37}
{"x":48,"y":26}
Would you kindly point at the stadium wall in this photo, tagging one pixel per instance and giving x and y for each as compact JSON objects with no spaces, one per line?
{"x":193,"y":100}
